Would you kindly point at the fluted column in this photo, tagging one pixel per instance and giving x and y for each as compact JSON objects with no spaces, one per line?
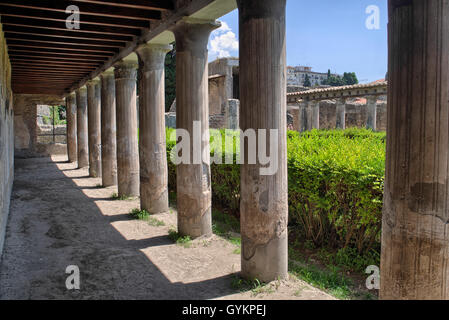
{"x":263,"y":93}
{"x":415,"y":229}
{"x":302,"y":116}
{"x":192,"y":106}
{"x":81,"y":124}
{"x":152,"y":139}
{"x":94,"y":127}
{"x":71,"y":127}
{"x":108,"y":130}
{"x":371,"y":112}
{"x":127,"y":132}
{"x":315,"y":111}
{"x":341,"y":113}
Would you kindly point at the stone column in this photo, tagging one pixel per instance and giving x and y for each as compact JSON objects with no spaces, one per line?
{"x":152,"y":141}
{"x":108,"y":130}
{"x":81,"y":124}
{"x":341,"y":113}
{"x":415,"y":229}
{"x":263,"y":94}
{"x":94,"y":127}
{"x":371,"y":112}
{"x":315,"y":111}
{"x":302,"y":116}
{"x":313,"y":114}
{"x":192,"y":110}
{"x":71,"y":127}
{"x":127,"y":132}
{"x":233,"y":114}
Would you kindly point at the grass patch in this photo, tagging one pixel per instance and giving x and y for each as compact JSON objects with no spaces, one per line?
{"x":255,"y":286}
{"x":145,"y":216}
{"x":139,"y":214}
{"x":115,"y":196}
{"x":184,"y":241}
{"x":227,"y":227}
{"x":331,"y":281}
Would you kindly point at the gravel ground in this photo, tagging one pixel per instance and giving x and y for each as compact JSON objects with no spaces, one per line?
{"x":60,"y":217}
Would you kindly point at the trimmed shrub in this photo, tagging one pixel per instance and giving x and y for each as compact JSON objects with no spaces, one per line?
{"x":335,"y":185}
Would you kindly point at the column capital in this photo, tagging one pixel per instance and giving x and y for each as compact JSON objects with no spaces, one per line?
{"x":82,"y":90}
{"x":193,"y":34}
{"x":126,"y":69}
{"x":108,"y":73}
{"x":261,"y":9}
{"x":152,"y":55}
{"x":372,"y":99}
{"x":93,"y":82}
{"x":341,"y":100}
{"x":71,"y":96}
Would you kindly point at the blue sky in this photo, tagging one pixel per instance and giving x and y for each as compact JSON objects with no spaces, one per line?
{"x":323,"y":34}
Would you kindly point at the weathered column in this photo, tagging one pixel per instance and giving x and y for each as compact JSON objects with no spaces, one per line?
{"x":71,"y":127}
{"x":294,"y":111}
{"x":233,"y":114}
{"x":302,"y":116}
{"x":415,"y":229}
{"x":127,"y":131}
{"x":108,"y":130}
{"x":152,"y":140}
{"x":263,"y":94}
{"x":371,"y":112}
{"x":315,"y":110}
{"x":313,"y":114}
{"x":94,"y":127}
{"x":192,"y":110}
{"x":341,"y":113}
{"x":81,"y":125}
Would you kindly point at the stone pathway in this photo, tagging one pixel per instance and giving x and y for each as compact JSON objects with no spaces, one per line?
{"x":59,"y":217}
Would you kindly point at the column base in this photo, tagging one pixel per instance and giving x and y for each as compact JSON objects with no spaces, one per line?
{"x":269,"y":262}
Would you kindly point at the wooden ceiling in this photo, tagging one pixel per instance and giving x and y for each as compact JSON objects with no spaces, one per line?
{"x":48,"y":58}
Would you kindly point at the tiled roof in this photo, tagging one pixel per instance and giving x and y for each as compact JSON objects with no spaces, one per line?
{"x":335,"y":89}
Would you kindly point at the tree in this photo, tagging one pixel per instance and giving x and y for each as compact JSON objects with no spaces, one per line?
{"x":307,"y":82}
{"x":335,"y":81}
{"x":170,"y":78}
{"x":350,"y":78}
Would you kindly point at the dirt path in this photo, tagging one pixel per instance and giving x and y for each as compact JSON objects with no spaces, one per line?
{"x":59,"y":217}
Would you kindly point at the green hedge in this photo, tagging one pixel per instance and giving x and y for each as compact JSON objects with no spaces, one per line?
{"x":335,"y":186}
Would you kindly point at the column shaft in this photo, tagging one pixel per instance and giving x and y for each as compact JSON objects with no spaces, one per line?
{"x":302,"y":117}
{"x":94,"y":127}
{"x":71,"y":127}
{"x":192,"y":109}
{"x":341,"y":113}
{"x":81,"y":123}
{"x":263,"y":93}
{"x":415,"y":229}
{"x":127,"y":131}
{"x":108,"y":130}
{"x":371,"y":113}
{"x":152,"y":141}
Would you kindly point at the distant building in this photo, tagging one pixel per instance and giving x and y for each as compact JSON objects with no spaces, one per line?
{"x":297,"y":75}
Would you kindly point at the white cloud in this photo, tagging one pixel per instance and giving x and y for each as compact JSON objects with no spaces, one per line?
{"x":223,"y":42}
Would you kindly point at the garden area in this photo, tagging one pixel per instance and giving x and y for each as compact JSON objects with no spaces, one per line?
{"x":335,"y":183}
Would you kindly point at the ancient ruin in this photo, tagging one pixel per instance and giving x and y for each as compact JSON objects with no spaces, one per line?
{"x":94,"y":72}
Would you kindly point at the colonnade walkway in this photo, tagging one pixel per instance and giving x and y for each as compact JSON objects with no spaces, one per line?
{"x":61,"y":217}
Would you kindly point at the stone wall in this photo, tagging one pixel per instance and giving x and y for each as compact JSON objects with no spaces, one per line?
{"x":26,"y":129}
{"x":6,"y":137}
{"x":356,"y":114}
